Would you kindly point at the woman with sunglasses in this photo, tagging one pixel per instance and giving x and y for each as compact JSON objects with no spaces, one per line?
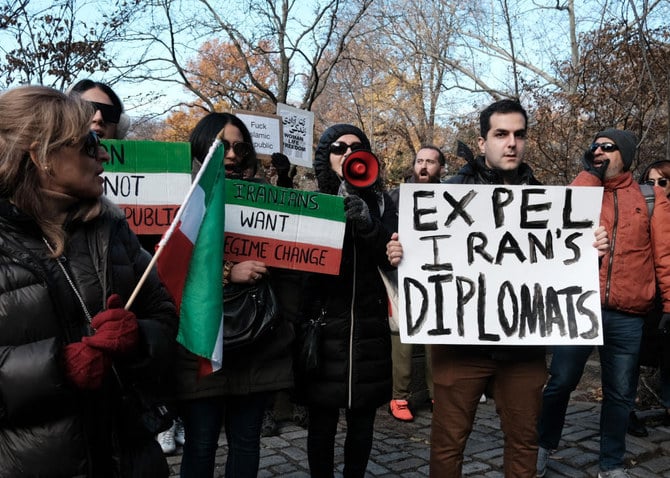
{"x":655,"y":348}
{"x":354,"y":372}
{"x":109,"y":120}
{"x":69,"y":261}
{"x":237,"y":395}
{"x":658,"y":174}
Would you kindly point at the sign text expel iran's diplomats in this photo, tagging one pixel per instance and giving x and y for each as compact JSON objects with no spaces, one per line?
{"x":499,"y":265}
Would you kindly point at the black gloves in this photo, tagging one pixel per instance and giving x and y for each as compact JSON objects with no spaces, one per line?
{"x":281,"y":163}
{"x":664,"y":324}
{"x":358,"y":213}
{"x":591,"y":168}
{"x":285,"y":174}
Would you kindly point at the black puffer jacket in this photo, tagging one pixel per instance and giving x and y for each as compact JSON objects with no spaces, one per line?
{"x":47,"y":427}
{"x":476,"y":172}
{"x":355,"y":370}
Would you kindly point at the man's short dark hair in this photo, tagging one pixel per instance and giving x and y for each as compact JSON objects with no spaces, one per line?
{"x":440,"y":154}
{"x":502,"y":107}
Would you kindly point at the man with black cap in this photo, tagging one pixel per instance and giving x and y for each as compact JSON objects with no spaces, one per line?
{"x":638,"y":259}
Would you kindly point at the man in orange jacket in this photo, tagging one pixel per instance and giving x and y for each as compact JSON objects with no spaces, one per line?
{"x":638,"y":258}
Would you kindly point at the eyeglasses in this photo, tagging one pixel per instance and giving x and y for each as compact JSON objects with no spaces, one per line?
{"x":110,"y":113}
{"x":662,"y":182}
{"x":91,"y":145}
{"x":240,"y":148}
{"x":604,"y":147}
{"x":340,"y":147}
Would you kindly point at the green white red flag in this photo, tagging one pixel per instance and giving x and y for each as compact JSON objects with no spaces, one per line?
{"x":190,"y":261}
{"x":146,"y":179}
{"x":287,"y":228}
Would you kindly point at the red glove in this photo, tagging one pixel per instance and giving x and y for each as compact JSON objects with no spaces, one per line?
{"x":85,"y":367}
{"x":116,"y":328}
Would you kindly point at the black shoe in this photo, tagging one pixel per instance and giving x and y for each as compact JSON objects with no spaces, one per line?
{"x":636,"y":426}
{"x":666,"y":418}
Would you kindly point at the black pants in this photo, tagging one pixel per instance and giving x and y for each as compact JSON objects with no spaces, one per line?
{"x":321,"y":441}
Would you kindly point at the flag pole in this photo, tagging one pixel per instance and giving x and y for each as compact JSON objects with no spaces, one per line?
{"x":161,"y":245}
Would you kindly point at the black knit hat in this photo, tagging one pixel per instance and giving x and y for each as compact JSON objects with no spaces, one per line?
{"x":625,"y":140}
{"x":326,"y":178}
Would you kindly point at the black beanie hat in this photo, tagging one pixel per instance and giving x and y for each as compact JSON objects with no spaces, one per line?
{"x":625,"y":140}
{"x":326,"y":178}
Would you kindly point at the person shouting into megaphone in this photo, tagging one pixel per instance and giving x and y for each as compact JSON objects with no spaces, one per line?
{"x":354,"y":366}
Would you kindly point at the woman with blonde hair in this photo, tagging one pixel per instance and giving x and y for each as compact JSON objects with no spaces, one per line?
{"x":68,"y":262}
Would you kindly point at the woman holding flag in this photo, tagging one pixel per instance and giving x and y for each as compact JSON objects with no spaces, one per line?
{"x":69,"y":349}
{"x":237,"y":394}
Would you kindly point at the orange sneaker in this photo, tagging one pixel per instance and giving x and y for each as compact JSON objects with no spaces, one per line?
{"x":400,"y":410}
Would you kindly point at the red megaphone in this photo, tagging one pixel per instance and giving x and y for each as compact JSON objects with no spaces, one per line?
{"x":361,"y":169}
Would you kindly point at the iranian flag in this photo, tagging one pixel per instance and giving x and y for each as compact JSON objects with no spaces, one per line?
{"x":287,"y":228}
{"x":147,"y":179}
{"x":189,"y":260}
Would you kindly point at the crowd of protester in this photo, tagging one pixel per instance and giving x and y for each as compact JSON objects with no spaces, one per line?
{"x":81,"y":351}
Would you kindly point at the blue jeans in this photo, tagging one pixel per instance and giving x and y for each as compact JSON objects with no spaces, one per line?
{"x":619,"y":356}
{"x":202,"y":418}
{"x":665,"y":386}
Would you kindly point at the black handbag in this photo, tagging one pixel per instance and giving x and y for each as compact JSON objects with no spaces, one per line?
{"x":141,"y":416}
{"x":249,"y":312}
{"x":144,"y":408}
{"x":310,"y":348}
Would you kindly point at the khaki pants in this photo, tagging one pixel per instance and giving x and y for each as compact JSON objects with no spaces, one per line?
{"x":401,"y":354}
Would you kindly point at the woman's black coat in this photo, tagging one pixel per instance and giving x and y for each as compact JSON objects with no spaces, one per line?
{"x":48,"y":428}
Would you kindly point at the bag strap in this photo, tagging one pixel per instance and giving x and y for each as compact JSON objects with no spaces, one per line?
{"x":87,"y":313}
{"x":649,"y":197}
{"x":71,"y":283}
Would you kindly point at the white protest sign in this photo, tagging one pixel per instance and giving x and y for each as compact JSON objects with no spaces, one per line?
{"x":265,"y":130}
{"x":298,"y":130}
{"x":499,"y":265}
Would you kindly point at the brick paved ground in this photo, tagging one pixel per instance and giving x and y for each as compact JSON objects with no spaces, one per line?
{"x":402,"y":449}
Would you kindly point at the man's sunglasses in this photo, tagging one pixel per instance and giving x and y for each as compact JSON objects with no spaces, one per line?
{"x":91,"y":145}
{"x":340,"y":147}
{"x":604,"y":147}
{"x":663,"y":182}
{"x":241,"y":149}
{"x":110,"y":113}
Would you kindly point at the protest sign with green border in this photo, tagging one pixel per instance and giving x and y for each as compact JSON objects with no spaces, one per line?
{"x":286,"y":228}
{"x":148,"y":180}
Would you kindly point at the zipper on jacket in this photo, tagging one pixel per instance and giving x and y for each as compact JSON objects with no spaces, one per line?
{"x":351,"y":334}
{"x":615,"y":224}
